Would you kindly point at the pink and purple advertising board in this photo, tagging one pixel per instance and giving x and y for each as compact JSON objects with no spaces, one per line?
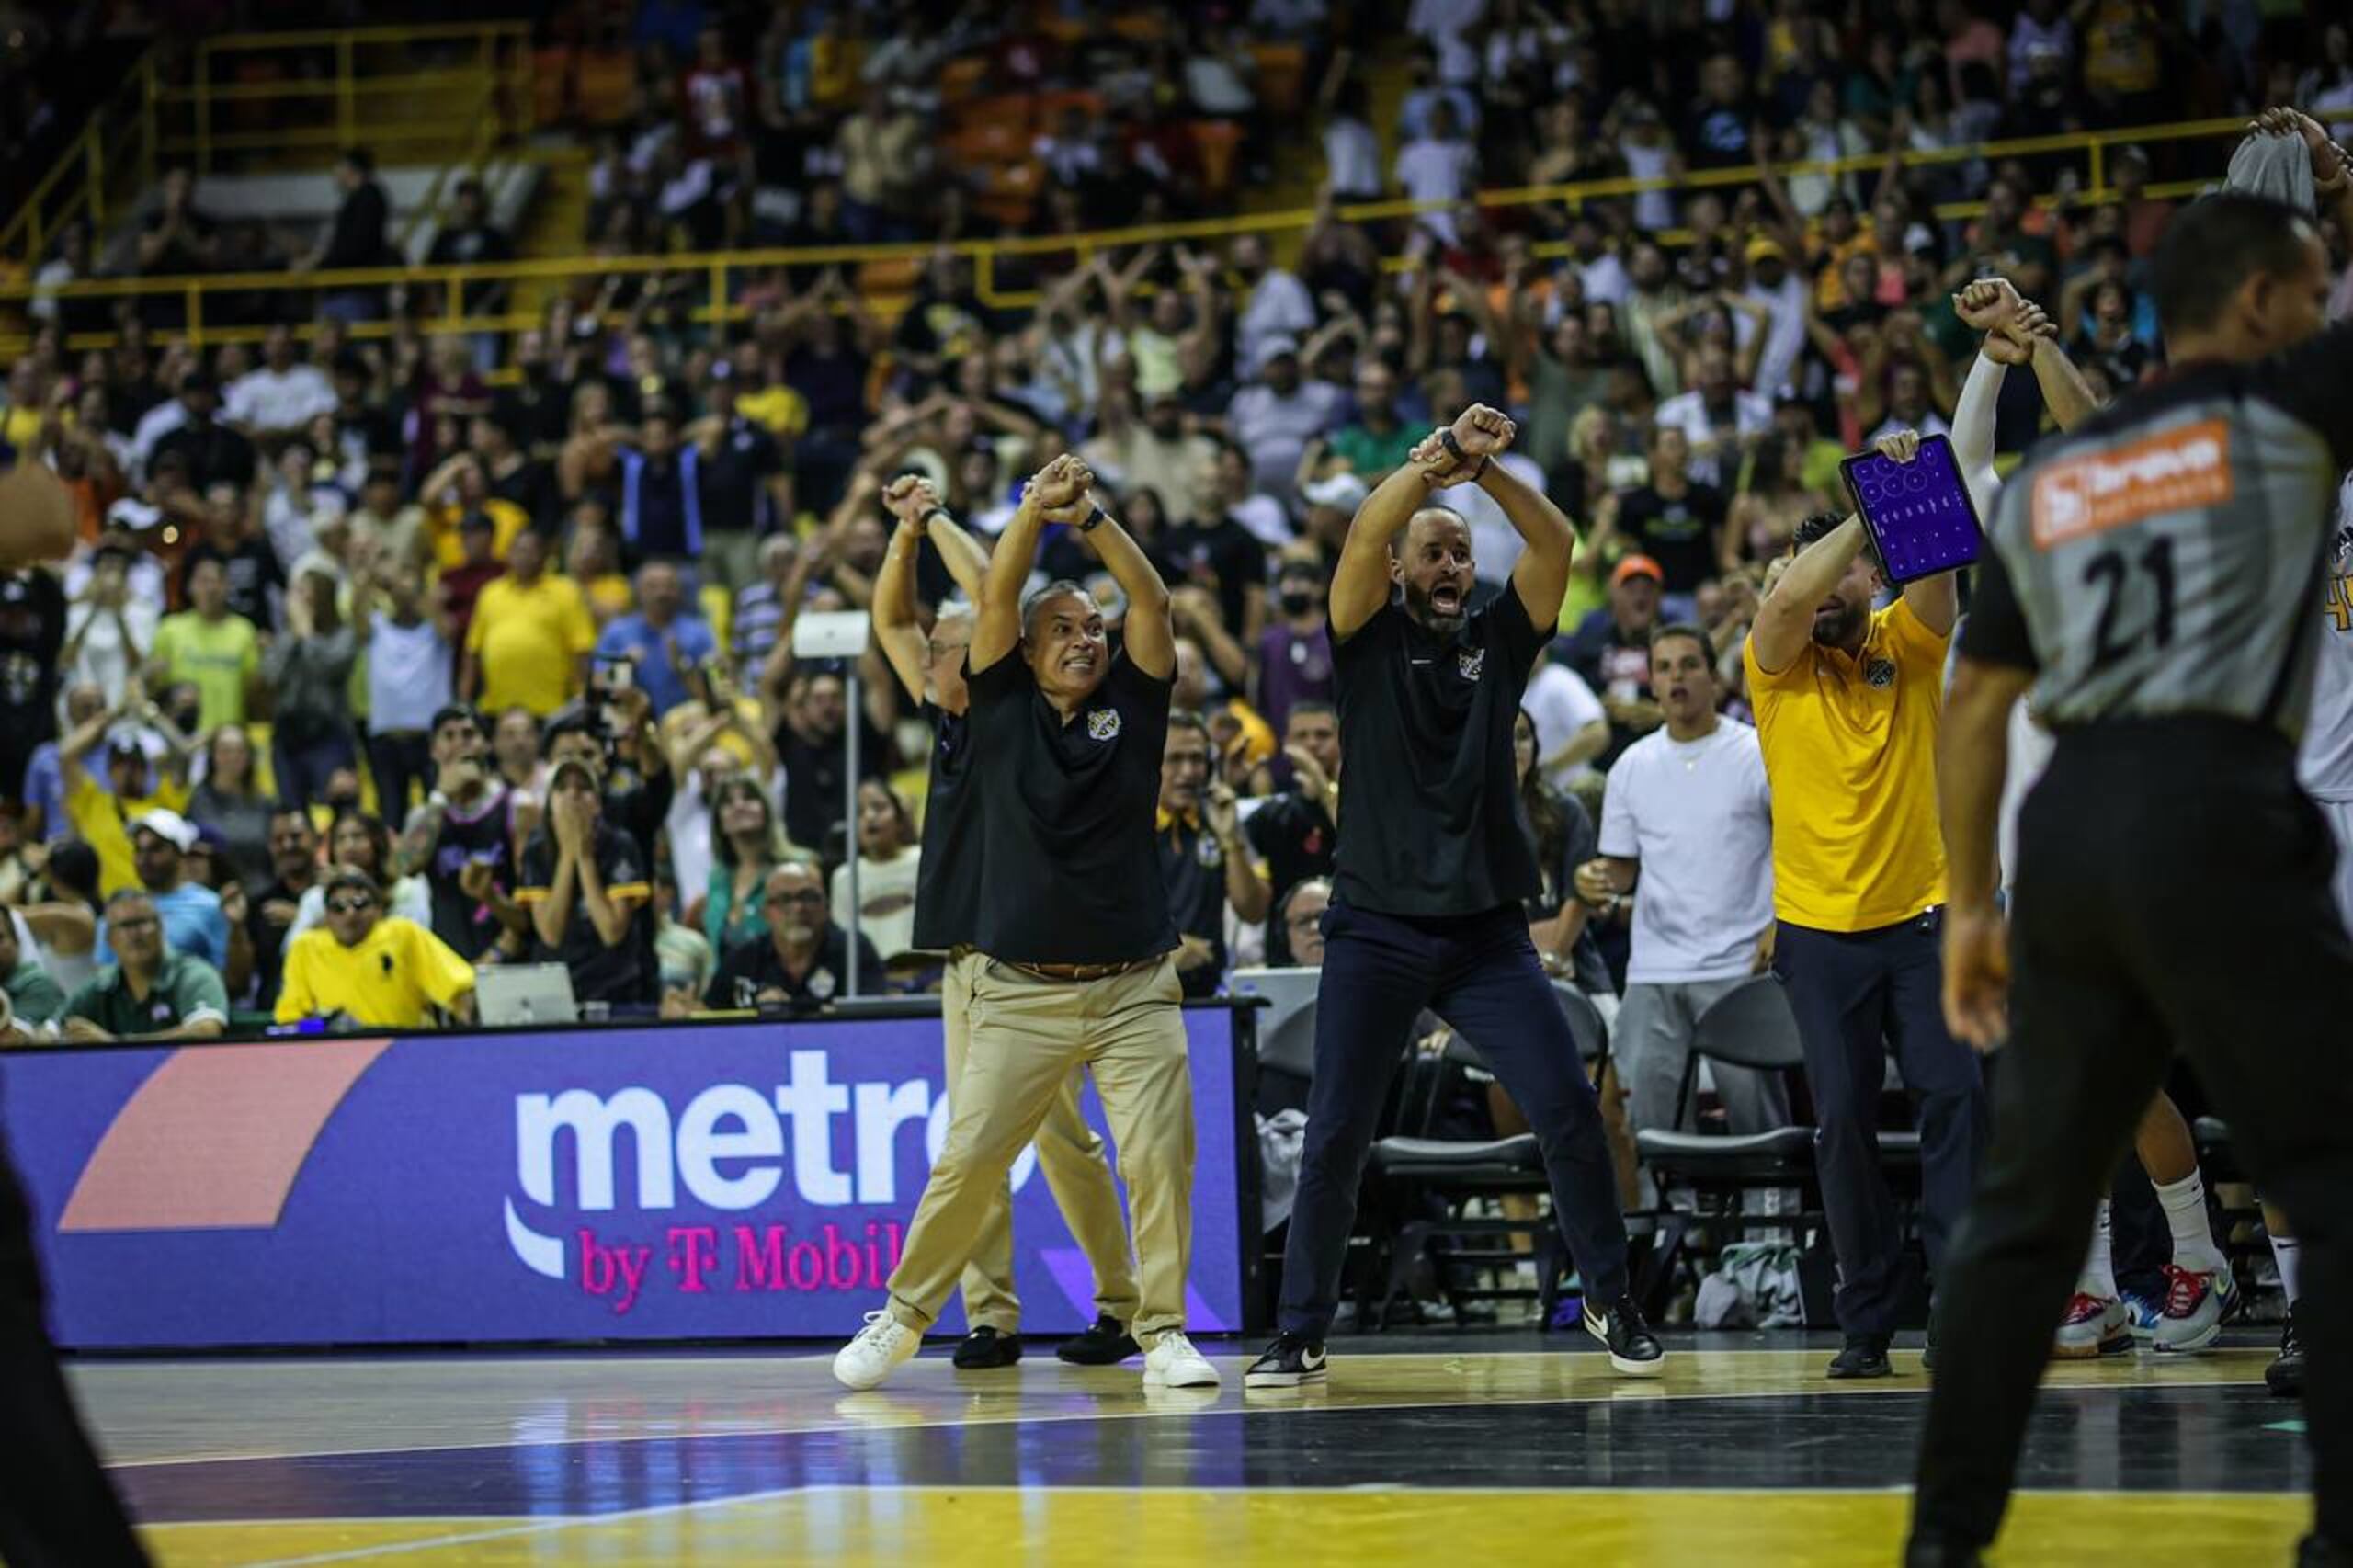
{"x":669,"y":1182}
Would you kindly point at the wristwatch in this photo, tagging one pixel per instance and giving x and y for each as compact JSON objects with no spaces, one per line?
{"x":1454,"y":449}
{"x":1095,"y":518}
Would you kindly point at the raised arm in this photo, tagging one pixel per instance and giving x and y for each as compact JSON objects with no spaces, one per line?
{"x":1360,"y":580}
{"x":1785,"y":619}
{"x":997,"y":626}
{"x":897,"y":631}
{"x":1149,"y":630}
{"x":2062,"y":385}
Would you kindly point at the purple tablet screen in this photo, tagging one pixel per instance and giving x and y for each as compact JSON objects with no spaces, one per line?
{"x":1919,"y":513}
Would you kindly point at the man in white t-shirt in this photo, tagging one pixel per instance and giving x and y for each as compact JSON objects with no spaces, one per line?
{"x":283,"y":396}
{"x":1686,"y":828}
{"x":1571,"y":727}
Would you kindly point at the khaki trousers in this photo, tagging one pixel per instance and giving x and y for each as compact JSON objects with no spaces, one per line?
{"x":1070,"y":1156}
{"x":1027,"y":1035}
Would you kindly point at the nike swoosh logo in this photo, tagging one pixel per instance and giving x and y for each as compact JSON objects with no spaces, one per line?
{"x":1419,"y":661}
{"x":1310,"y":1360}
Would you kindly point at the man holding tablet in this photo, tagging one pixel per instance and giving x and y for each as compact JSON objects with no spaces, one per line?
{"x":1848,"y":702}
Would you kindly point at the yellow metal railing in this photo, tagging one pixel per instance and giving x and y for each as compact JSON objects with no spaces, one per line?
{"x":717,"y":269}
{"x":332,"y":90}
{"x":114,"y":155}
{"x":338,"y":109}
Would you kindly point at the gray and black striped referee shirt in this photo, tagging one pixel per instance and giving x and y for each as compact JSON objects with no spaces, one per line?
{"x":2159,"y":559}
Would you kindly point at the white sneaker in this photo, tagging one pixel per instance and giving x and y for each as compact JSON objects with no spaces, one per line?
{"x":1172,"y":1362}
{"x":2196,"y":1304}
{"x":876,"y":1353}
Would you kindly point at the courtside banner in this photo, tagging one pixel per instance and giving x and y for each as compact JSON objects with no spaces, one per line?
{"x":669,"y":1182}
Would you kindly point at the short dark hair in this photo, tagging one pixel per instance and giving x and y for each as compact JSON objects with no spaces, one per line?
{"x":571,"y":720}
{"x":1823,"y":524}
{"x":127,"y":895}
{"x":2211,"y":248}
{"x":452,"y":712}
{"x":1682,"y":629}
{"x":360,"y":158}
{"x":1186,"y":719}
{"x":1053,"y":590}
{"x":1313,"y":706}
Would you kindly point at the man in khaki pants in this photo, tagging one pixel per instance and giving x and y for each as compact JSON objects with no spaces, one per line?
{"x":947,"y":887}
{"x":1074,"y":934}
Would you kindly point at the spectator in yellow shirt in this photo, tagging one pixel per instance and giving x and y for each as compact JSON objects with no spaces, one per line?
{"x":374,"y":970}
{"x":211,"y":649}
{"x":101,"y":813}
{"x":527,"y":646}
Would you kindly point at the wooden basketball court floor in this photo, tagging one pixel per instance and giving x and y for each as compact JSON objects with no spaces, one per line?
{"x":1465,"y":1450}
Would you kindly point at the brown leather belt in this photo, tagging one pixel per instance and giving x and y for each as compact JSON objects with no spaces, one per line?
{"x":1072,"y":974}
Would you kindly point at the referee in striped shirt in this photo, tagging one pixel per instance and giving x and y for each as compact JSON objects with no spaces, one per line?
{"x":2150,"y":578}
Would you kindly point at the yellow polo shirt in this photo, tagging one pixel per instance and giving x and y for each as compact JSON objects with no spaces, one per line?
{"x":1850,"y":751}
{"x":530,"y":640}
{"x":384,"y":982}
{"x":103,"y":822}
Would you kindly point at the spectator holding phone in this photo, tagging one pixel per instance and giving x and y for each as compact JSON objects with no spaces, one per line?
{"x":463,"y":839}
{"x":663,"y":643}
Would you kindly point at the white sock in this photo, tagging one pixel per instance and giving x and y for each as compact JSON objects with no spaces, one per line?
{"x":2290,"y":1256}
{"x":2193,"y":1238}
{"x":2098,"y":1278}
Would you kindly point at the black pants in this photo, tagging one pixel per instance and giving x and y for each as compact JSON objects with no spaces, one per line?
{"x":1480,"y":974}
{"x":1855,"y":994}
{"x":2119,"y":960}
{"x":398,"y":758}
{"x":56,"y":1508}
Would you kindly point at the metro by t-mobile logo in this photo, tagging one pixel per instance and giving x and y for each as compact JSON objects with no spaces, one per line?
{"x":727,"y":1147}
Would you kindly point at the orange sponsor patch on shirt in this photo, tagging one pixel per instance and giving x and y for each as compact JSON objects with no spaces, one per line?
{"x":2099,"y":491}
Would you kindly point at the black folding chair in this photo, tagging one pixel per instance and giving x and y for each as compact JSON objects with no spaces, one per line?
{"x":1752,"y":1026}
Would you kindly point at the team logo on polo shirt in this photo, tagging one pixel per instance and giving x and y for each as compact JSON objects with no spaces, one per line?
{"x":1879,"y":672}
{"x":1471,"y":662}
{"x":1102,"y":724}
{"x":821,"y":985}
{"x":1208,"y":853}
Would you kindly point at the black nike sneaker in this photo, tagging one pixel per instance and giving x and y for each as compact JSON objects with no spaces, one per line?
{"x":1292,"y":1361}
{"x":2285,"y":1377}
{"x":1634,"y":1350}
{"x":985,"y":1348}
{"x":1104,"y":1343}
{"x":1865,"y":1357}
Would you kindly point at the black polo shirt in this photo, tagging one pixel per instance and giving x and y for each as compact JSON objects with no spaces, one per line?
{"x":1067,"y":811}
{"x":625,"y":973}
{"x":947,"y":878}
{"x":754,"y":966}
{"x":734,"y":479}
{"x":1193,"y":864}
{"x":1296,"y":838}
{"x":1433,"y":823}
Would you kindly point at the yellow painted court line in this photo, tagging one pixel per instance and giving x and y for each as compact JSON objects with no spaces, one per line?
{"x":1651,"y":1524}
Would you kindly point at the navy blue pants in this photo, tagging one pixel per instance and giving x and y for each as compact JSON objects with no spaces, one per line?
{"x":1855,"y":994}
{"x":1480,"y":974}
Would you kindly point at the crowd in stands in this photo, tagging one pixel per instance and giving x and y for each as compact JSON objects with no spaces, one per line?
{"x":386,"y":658}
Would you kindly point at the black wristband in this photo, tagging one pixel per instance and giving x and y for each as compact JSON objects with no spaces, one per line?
{"x":932,"y":512}
{"x":1095,"y":516}
{"x":1454,"y":449}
